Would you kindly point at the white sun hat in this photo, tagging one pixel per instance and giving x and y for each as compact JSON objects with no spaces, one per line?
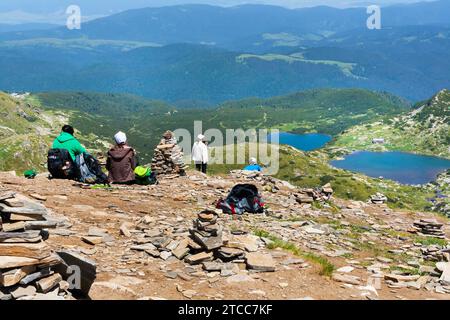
{"x":200,"y":137}
{"x":120,"y":137}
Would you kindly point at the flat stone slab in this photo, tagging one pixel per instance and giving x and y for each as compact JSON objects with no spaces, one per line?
{"x":165,"y":255}
{"x":199,"y":257}
{"x":240,"y":278}
{"x":23,"y":291}
{"x":92,"y":240}
{"x":445,"y":268}
{"x":312,"y":230}
{"x":144,"y":247}
{"x":229,"y":253}
{"x":212,"y":266}
{"x":180,"y":252}
{"x":345,"y":278}
{"x":249,"y":242}
{"x":260,"y":261}
{"x":209,"y":243}
{"x":401,"y":278}
{"x":346,"y":269}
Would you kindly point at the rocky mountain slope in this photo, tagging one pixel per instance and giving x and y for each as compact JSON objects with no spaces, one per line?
{"x":99,"y":115}
{"x":426,"y":130}
{"x":27,"y":131}
{"x":336,"y":250}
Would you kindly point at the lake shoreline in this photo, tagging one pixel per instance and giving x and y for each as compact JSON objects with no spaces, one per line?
{"x":404,"y":167}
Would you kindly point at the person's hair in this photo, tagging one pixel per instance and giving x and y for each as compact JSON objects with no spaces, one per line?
{"x":68,"y":129}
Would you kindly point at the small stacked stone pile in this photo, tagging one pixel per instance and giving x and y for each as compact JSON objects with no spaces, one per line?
{"x":378,"y":198}
{"x":168,"y":156}
{"x":29,"y":269}
{"x":18,"y":213}
{"x":208,"y":245}
{"x":251,"y":175}
{"x":309,"y":195}
{"x":206,"y":231}
{"x":224,"y":255}
{"x":436,"y":253}
{"x":429,"y":228}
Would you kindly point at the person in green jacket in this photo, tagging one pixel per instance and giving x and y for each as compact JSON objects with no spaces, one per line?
{"x":67,"y":141}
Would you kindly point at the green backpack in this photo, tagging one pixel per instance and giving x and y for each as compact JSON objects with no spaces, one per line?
{"x":145,"y":176}
{"x":30,"y":174}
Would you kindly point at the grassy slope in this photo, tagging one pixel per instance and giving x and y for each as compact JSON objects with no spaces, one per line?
{"x":425,"y":130}
{"x":24,"y":134}
{"x":27,"y":131}
{"x":345,"y":68}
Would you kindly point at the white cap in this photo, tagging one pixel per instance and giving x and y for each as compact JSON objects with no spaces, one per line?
{"x":200,"y":137}
{"x":253,"y":161}
{"x":120,"y":137}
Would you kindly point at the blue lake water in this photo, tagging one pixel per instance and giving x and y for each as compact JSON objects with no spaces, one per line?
{"x":305,"y":142}
{"x":403,"y":167}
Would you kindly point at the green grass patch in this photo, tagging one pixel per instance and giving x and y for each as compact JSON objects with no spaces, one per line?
{"x":428,"y":241}
{"x":412,"y":271}
{"x":327,"y":267}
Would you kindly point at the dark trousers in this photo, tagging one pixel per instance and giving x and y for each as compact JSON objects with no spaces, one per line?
{"x":201,"y":167}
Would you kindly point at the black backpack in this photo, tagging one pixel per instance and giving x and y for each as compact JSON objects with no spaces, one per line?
{"x":242,"y":198}
{"x":60,"y":164}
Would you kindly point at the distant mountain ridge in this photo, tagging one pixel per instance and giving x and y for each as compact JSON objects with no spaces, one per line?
{"x":194,"y":55}
{"x":414,"y":68}
{"x":226,"y":26}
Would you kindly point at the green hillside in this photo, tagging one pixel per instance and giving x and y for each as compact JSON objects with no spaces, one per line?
{"x":323,"y":110}
{"x":426,"y":130}
{"x":110,"y":104}
{"x":27,"y":131}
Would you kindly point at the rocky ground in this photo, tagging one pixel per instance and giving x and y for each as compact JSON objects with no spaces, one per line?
{"x":321,"y":250}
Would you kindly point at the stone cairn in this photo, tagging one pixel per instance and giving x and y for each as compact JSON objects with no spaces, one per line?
{"x":429,"y":228}
{"x":29,"y":269}
{"x":208,"y":245}
{"x":168,"y":156}
{"x":436,"y":253}
{"x":308,"y":196}
{"x":378,"y":198}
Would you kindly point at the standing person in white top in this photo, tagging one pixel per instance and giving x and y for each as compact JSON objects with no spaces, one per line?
{"x":200,"y":154}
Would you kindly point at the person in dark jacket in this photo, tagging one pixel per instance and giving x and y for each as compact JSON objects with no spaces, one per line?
{"x":121,"y":161}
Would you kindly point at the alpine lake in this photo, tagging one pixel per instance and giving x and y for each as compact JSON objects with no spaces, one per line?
{"x":403,"y":167}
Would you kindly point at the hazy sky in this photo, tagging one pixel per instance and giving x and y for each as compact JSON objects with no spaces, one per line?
{"x":53,"y":11}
